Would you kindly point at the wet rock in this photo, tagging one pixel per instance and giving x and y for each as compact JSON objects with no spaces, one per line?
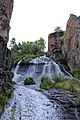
{"x":67,"y":101}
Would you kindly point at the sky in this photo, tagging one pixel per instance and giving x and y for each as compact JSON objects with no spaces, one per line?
{"x":32,"y":19}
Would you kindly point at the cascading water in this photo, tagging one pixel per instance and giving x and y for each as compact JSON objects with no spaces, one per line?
{"x":43,"y":66}
{"x":27,"y":103}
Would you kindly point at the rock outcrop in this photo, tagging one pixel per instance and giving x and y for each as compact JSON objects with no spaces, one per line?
{"x":72,"y":42}
{"x":55,"y":44}
{"x":68,"y":101}
{"x":6,"y":7}
{"x":66,"y":45}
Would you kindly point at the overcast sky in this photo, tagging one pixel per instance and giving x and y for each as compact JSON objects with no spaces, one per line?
{"x":32,"y":19}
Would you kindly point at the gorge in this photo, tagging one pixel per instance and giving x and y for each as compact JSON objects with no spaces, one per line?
{"x":27,"y":102}
{"x":61,"y":101}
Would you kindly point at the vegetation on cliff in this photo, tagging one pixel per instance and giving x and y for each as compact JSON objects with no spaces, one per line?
{"x":62,"y":83}
{"x":71,"y":85}
{"x":4,"y":98}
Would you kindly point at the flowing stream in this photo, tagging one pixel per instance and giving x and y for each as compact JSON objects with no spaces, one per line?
{"x":27,"y":103}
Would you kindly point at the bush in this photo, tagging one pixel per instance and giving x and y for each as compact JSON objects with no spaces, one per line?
{"x":59,"y":79}
{"x":29,"y":81}
{"x":46,"y":83}
{"x":27,"y":58}
{"x":76,"y":73}
{"x":12,"y":74}
{"x":4,"y":98}
{"x":65,"y":85}
{"x":71,"y":85}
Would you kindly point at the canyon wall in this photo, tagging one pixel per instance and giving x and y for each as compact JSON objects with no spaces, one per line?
{"x":55,"y":44}
{"x":72,"y":42}
{"x":66,"y":45}
{"x":6,"y":7}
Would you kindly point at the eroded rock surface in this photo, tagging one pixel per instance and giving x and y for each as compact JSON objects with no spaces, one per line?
{"x":66,"y":45}
{"x":6,"y":7}
{"x":68,"y":101}
{"x":72,"y":42}
{"x":55,"y":45}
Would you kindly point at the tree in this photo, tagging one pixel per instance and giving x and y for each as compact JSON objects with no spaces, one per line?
{"x":27,"y":48}
{"x":58,"y":29}
{"x":12,"y":42}
{"x":41,"y":44}
{"x":13,"y":45}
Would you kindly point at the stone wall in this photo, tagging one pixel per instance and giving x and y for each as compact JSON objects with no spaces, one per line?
{"x":6,"y":7}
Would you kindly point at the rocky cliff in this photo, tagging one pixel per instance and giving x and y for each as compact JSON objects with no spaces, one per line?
{"x":6,"y":7}
{"x":67,"y":45}
{"x":72,"y":42}
{"x":55,"y":45}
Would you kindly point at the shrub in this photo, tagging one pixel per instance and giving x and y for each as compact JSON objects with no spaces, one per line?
{"x":12,"y":74}
{"x":29,"y":81}
{"x":27,"y":58}
{"x":76,"y":73}
{"x":59,"y":79}
{"x":65,"y":85}
{"x":71,"y":85}
{"x":46,"y":83}
{"x":4,"y":98}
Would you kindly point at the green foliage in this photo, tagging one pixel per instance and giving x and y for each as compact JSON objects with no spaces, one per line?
{"x":21,"y":50}
{"x":71,"y":85}
{"x":76,"y":73}
{"x":65,"y":85}
{"x":29,"y":81}
{"x":4,"y":98}
{"x":27,"y":58}
{"x":12,"y":42}
{"x":65,"y":32}
{"x":12,"y":74}
{"x":46,"y":83}
{"x":59,"y":79}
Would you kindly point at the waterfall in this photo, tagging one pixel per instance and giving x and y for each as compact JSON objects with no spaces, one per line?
{"x":27,"y":103}
{"x":45,"y":66}
{"x":17,"y":67}
{"x":15,"y":71}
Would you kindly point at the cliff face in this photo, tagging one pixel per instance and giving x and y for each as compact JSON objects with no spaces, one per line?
{"x":55,"y":45}
{"x":72,"y":42}
{"x":67,"y":45}
{"x":6,"y":7}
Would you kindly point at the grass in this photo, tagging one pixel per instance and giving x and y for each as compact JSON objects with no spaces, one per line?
{"x":76,"y":73}
{"x":29,"y":81}
{"x":62,"y":83}
{"x":4,"y":98}
{"x":71,"y":85}
{"x":46,"y":83}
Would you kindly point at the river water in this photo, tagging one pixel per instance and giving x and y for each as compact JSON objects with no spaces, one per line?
{"x":27,"y":103}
